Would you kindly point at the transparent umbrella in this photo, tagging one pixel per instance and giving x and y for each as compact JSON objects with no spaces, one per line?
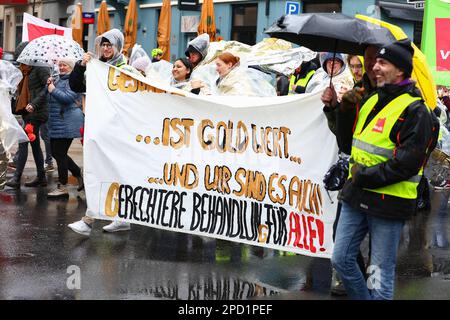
{"x":46,"y":51}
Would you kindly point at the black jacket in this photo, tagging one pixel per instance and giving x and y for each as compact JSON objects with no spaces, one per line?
{"x":37,"y":85}
{"x":331,"y":113}
{"x":413,"y":137}
{"x":76,"y":79}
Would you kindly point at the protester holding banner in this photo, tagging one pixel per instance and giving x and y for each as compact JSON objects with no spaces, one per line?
{"x":31,"y":103}
{"x":235,"y":79}
{"x":388,"y":148}
{"x":108,"y":48}
{"x":181,"y":73}
{"x":197,"y":49}
{"x":363,"y":88}
{"x":65,"y":121}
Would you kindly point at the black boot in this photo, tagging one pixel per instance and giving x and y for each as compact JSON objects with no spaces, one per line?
{"x":13,"y":183}
{"x":37,"y":182}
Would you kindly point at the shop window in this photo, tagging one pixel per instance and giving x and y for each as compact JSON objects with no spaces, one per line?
{"x":322,"y":6}
{"x":244,"y":23}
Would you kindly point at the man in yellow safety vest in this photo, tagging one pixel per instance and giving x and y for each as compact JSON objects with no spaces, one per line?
{"x":301,"y":76}
{"x":388,"y":140}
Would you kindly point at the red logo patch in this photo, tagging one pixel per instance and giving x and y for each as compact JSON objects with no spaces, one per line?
{"x":379,"y":126}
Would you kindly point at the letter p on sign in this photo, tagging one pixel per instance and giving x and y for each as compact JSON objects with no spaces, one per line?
{"x":292,"y":7}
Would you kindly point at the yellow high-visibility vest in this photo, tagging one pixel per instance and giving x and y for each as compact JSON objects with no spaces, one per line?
{"x":301,"y":82}
{"x":372,"y":146}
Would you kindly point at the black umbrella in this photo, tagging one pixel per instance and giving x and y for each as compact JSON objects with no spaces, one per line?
{"x":331,"y":32}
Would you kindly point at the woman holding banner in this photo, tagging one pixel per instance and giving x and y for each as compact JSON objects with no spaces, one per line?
{"x":236,"y":79}
{"x":181,"y":74}
{"x":109,"y":46}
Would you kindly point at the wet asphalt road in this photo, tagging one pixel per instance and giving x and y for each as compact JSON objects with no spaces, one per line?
{"x":39,"y":255}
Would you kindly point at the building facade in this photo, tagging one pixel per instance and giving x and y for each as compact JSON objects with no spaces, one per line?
{"x":246,"y":21}
{"x":11,"y":18}
{"x":241,"y":20}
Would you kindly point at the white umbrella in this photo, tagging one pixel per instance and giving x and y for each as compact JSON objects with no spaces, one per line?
{"x":48,"y":50}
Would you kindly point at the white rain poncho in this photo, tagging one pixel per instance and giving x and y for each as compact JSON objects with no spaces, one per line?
{"x":139,"y":59}
{"x":271,"y":55}
{"x":160,"y":71}
{"x":321,"y":79}
{"x":244,"y":81}
{"x":10,"y":76}
{"x":200,"y":44}
{"x":11,"y":132}
{"x":115,"y":37}
{"x":278,"y":56}
{"x":252,"y":82}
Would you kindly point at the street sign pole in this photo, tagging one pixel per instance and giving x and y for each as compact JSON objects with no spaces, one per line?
{"x":89,"y":6}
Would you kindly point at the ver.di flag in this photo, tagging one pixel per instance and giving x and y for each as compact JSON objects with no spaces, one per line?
{"x":436,"y":39}
{"x":243,"y":169}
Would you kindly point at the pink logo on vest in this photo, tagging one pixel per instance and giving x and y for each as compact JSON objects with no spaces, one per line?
{"x":379,"y":126}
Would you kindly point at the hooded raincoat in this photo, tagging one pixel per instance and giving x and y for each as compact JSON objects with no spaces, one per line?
{"x":199,"y":44}
{"x":321,"y":78}
{"x":243,"y":81}
{"x":115,"y":37}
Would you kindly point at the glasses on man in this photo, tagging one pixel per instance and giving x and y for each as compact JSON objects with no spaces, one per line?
{"x":106,"y":45}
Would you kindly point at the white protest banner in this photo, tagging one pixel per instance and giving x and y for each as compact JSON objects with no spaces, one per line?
{"x":236,"y":168}
{"x":34,"y":28}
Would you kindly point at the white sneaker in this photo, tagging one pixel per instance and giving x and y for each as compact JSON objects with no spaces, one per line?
{"x":81,"y":227}
{"x":117,"y":226}
{"x":59,"y":192}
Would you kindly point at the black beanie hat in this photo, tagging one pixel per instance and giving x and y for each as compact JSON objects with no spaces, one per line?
{"x":400,"y":54}
{"x":104,"y":40}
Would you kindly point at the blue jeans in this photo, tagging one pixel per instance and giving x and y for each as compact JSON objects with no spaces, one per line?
{"x":37,"y":155}
{"x":440,"y":238}
{"x":384,"y":239}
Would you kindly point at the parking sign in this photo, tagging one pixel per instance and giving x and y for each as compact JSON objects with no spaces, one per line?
{"x":292,"y":7}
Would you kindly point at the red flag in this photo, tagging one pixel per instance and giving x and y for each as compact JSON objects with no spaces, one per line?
{"x":442,"y":44}
{"x":8,"y":2}
{"x":35,"y":31}
{"x":34,"y":27}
